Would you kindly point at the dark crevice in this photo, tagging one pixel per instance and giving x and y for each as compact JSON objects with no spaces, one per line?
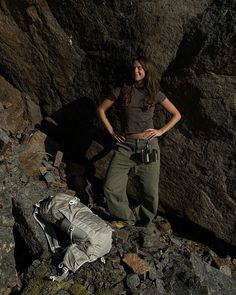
{"x":24,"y":256}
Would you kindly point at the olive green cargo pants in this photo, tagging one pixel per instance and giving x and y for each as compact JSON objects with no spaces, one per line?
{"x":127,"y":155}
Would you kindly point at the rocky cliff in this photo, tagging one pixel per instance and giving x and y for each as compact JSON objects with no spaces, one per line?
{"x":60,"y":58}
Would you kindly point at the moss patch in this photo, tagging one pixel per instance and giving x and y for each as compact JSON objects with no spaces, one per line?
{"x":38,"y":286}
{"x":77,"y":289}
{"x":34,"y":287}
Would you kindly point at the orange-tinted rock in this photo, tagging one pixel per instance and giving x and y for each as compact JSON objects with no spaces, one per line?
{"x":137,"y":264}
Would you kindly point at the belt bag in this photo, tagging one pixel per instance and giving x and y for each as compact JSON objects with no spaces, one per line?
{"x":148,"y":154}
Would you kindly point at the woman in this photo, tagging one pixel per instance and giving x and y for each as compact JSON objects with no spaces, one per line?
{"x":137,"y":145}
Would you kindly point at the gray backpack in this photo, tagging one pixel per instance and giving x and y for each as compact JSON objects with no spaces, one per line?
{"x":90,"y":236}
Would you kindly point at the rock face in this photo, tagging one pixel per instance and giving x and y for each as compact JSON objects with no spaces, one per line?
{"x":37,"y":56}
{"x":55,"y":52}
{"x":8,"y":273}
{"x":202,"y":169}
{"x":202,"y":79}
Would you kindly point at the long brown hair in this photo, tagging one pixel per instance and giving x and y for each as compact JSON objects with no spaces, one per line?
{"x":151,"y":83}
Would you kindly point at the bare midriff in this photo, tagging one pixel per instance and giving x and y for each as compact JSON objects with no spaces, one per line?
{"x":136,"y":135}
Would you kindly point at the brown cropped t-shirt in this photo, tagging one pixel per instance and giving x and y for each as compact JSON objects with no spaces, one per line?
{"x":134,"y":119}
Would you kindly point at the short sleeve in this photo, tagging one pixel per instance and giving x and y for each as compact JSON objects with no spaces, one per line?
{"x":160,"y":97}
{"x":115,"y":93}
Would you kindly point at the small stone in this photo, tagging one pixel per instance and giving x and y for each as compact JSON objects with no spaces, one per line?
{"x":47,"y":165}
{"x":137,"y":264}
{"x":49,"y":177}
{"x":61,"y":171}
{"x":176,"y":242}
{"x":91,"y":289}
{"x":132,"y":281}
{"x":122,"y":236}
{"x":165,"y":226}
{"x":18,"y":135}
{"x":24,"y":179}
{"x":151,"y":240}
{"x":70,"y":192}
{"x":36,"y":263}
{"x":43,"y":170}
{"x":226,"y":270}
{"x":115,"y":259}
{"x":58,"y":159}
{"x":117,"y":275}
{"x":152,"y":273}
{"x":58,"y":185}
{"x":119,"y":289}
{"x":160,"y":287}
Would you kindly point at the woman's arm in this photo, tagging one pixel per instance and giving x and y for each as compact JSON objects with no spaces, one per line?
{"x":176,"y":116}
{"x":101,"y":112}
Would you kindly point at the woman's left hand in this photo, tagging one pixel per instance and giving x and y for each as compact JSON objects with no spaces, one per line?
{"x":151,"y":133}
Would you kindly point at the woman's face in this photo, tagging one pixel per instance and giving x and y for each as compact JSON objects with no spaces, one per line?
{"x":138,"y":72}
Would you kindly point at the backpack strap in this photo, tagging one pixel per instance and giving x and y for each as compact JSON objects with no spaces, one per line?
{"x":48,"y":230}
{"x":65,"y":272}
